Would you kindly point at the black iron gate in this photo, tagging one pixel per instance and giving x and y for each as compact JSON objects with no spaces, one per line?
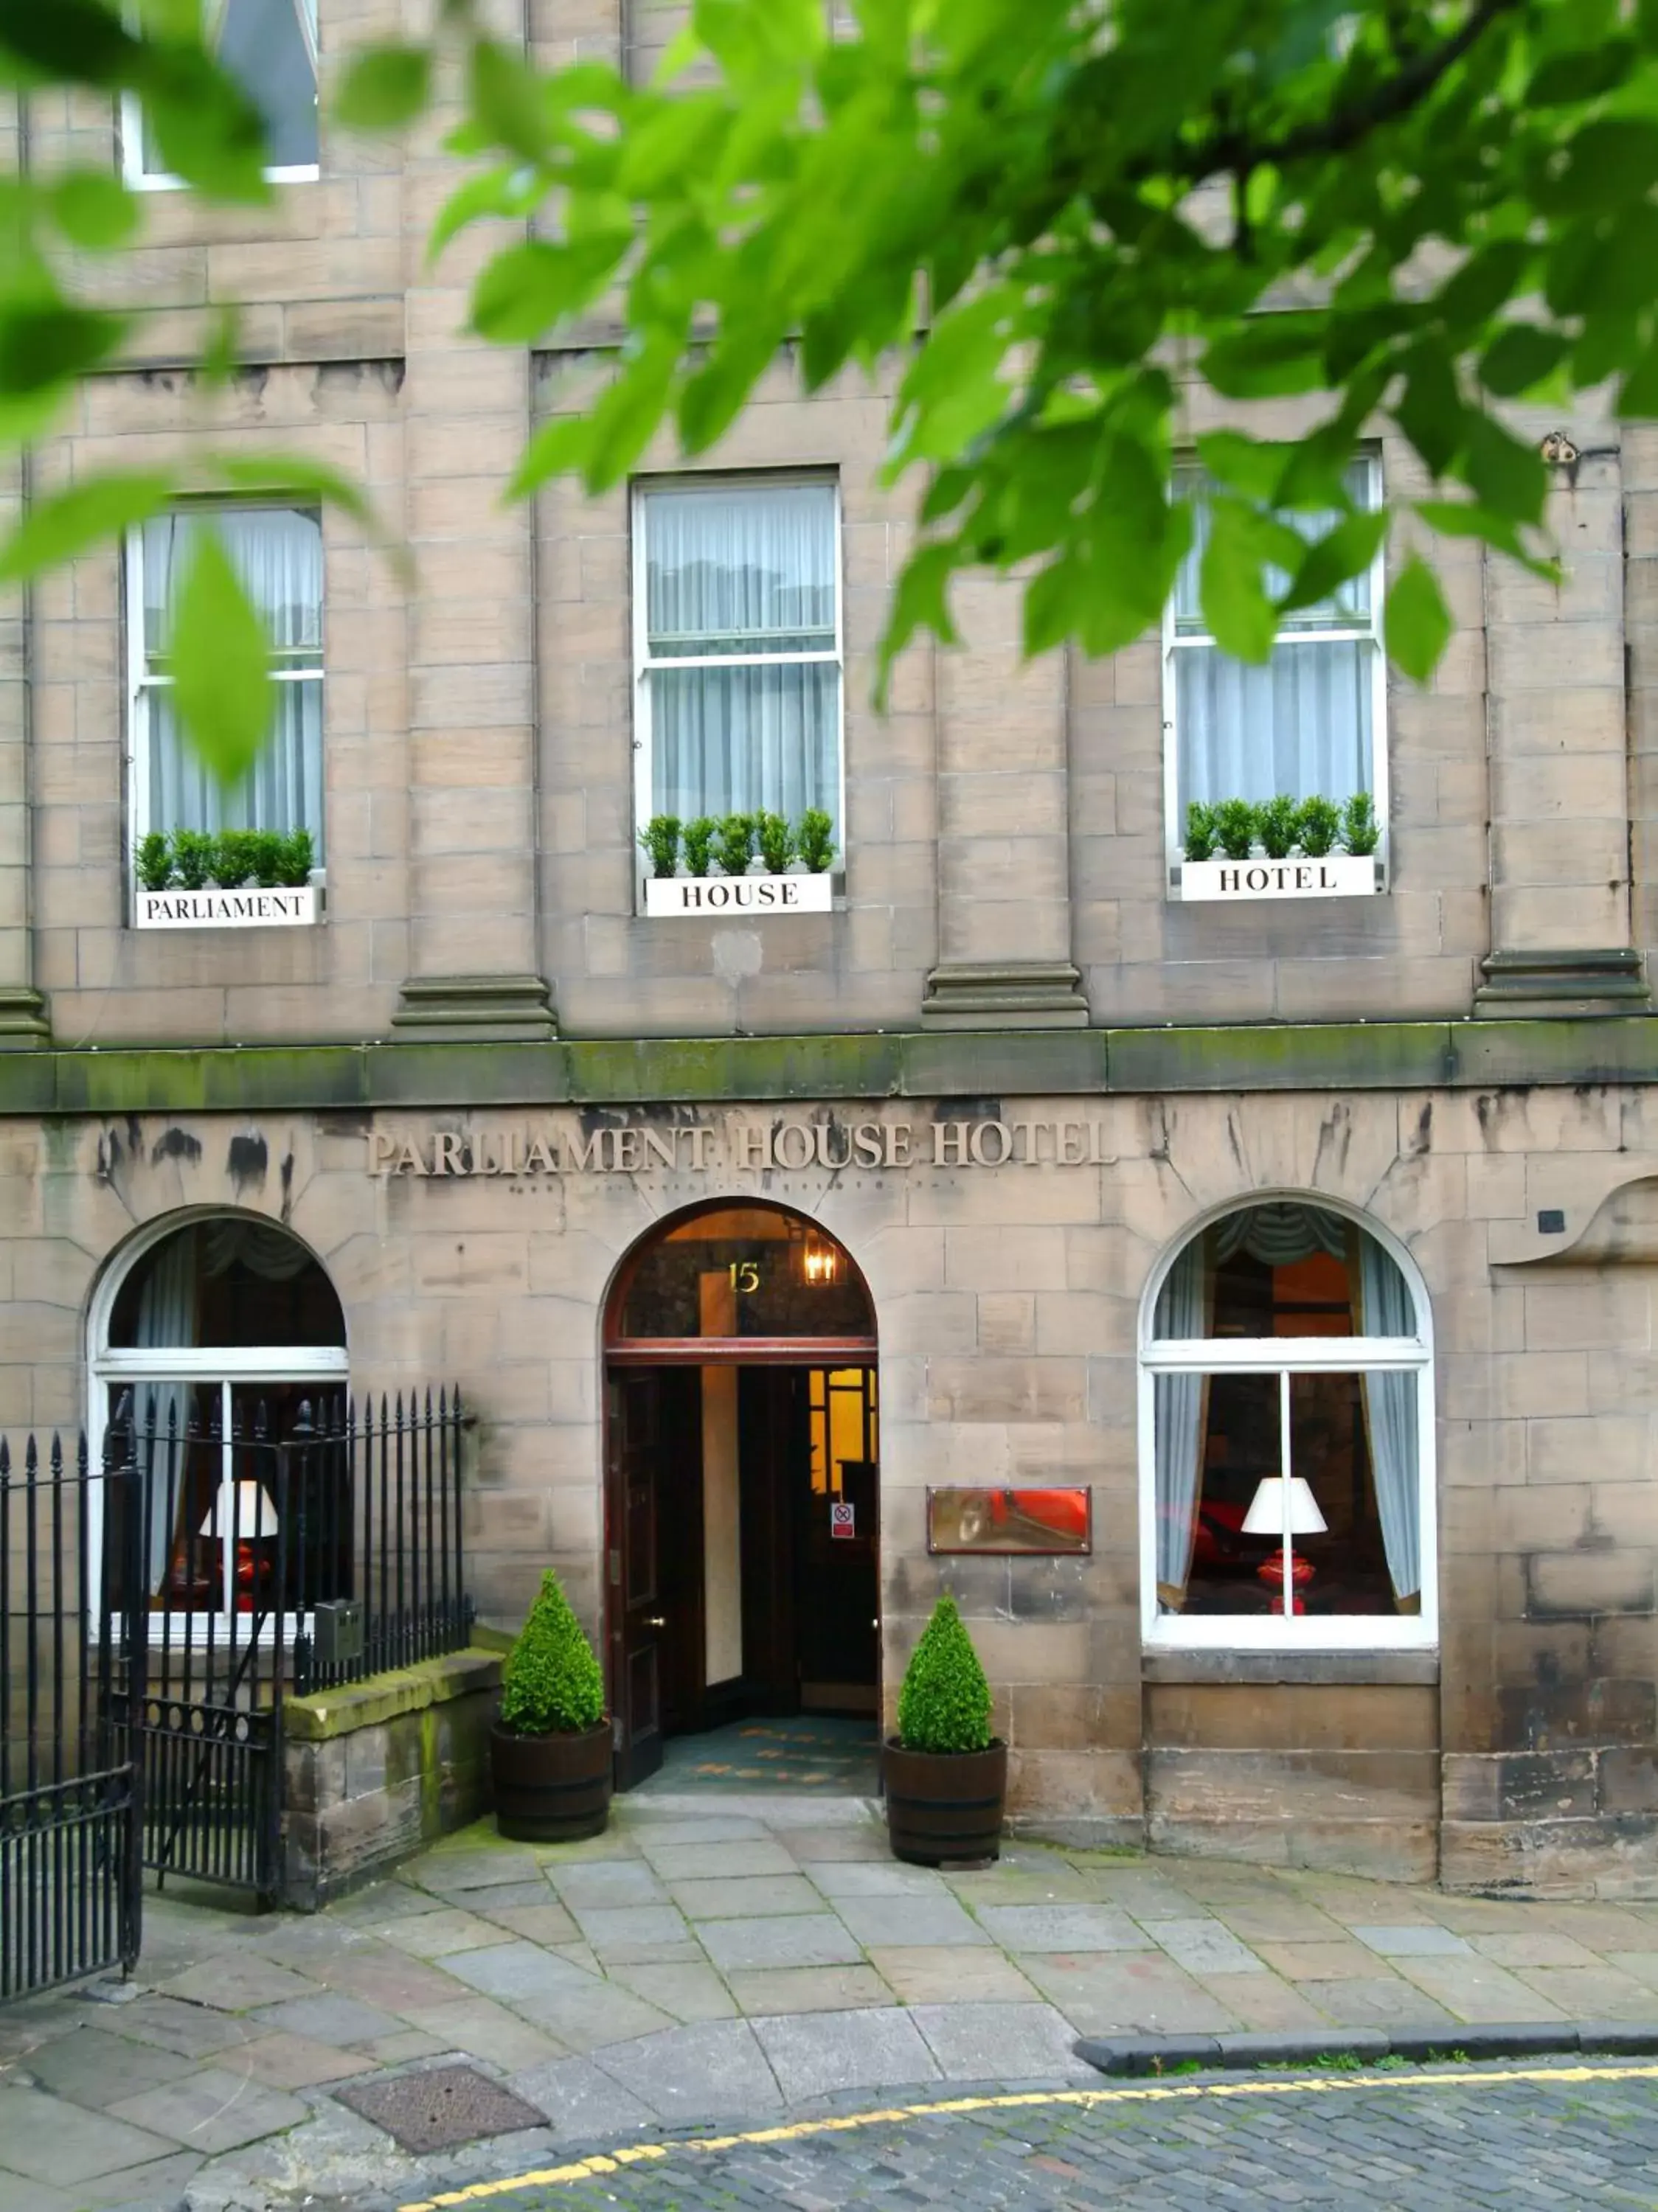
{"x":71,"y":1790}
{"x":155,"y":1612}
{"x":293,"y":1562}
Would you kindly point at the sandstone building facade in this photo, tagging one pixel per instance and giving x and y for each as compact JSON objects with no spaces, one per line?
{"x":1014,"y":1152}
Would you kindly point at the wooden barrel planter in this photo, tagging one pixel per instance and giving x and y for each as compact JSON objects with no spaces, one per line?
{"x":944,"y":1805}
{"x":552,"y":1788}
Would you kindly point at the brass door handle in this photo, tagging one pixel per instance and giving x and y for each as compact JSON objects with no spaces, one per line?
{"x":656,"y":1620}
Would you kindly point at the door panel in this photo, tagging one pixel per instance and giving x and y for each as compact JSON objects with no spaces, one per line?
{"x":633,"y":1434}
{"x":654,"y":1518}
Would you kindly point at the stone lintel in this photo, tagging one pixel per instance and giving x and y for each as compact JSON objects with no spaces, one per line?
{"x":1586,"y":984}
{"x":476,"y":1009}
{"x":24,"y":1023}
{"x":1012,"y":994}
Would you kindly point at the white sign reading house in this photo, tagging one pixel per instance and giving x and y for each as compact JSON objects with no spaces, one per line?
{"x":667,"y":895}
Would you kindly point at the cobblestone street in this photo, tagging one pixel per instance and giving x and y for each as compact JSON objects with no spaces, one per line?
{"x":1418,"y":2141}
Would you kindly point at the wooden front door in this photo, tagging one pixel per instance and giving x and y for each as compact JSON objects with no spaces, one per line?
{"x":653,"y":1556}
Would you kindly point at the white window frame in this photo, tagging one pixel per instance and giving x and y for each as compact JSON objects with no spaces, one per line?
{"x":1371,"y":632}
{"x":142,"y":680}
{"x":326,"y":1365}
{"x":137,"y":178}
{"x":1283,"y":1356}
{"x":770,"y":479}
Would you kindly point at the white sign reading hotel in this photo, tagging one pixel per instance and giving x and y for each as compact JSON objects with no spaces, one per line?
{"x":251,"y":909}
{"x":705,"y":895}
{"x":617,"y":1147}
{"x":1341,"y":875}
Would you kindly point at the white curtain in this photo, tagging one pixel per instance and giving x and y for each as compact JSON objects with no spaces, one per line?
{"x":730,"y":572}
{"x":1301,"y":725}
{"x":166,"y":1319}
{"x":270,"y":47}
{"x":1177,"y":1425}
{"x":278,"y":554}
{"x":1390,"y":1405}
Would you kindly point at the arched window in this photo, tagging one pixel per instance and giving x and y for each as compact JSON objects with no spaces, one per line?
{"x":210,"y":1342}
{"x":1286,"y":1438}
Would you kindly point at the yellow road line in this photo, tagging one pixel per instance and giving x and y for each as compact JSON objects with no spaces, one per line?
{"x":1146,"y":2093}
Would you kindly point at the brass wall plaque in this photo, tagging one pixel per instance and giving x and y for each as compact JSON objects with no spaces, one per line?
{"x":959,"y":1519}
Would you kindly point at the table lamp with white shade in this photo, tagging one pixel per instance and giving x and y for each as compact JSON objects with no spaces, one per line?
{"x":252,"y":1513}
{"x":1267,"y":1517}
{"x":252,"y":1520}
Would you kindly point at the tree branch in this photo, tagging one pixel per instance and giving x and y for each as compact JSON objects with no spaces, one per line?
{"x":1339,"y":132}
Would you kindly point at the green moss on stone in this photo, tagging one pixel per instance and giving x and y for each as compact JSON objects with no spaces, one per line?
{"x":722,"y":1071}
{"x":329,"y":1713}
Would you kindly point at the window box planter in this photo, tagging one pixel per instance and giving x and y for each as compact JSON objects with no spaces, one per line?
{"x":253,"y":906}
{"x":1338,"y":875}
{"x":669,"y":896}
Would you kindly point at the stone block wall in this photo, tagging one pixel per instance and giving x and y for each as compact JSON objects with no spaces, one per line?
{"x":1009,"y":1304}
{"x":478,"y":718}
{"x":376,"y":1771}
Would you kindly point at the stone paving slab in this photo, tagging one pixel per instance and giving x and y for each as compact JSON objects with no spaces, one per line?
{"x":212,"y":2110}
{"x":692,"y":1966}
{"x":716,"y":2069}
{"x":46,"y":2139}
{"x":91,"y":2068}
{"x":821,"y":2055}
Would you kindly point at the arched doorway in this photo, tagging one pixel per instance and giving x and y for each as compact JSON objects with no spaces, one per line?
{"x":742,"y":1479}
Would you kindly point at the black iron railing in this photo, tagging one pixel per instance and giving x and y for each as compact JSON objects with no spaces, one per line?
{"x":375,"y":1495}
{"x":71,"y":1813}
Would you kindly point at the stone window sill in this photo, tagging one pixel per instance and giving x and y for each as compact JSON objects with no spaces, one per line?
{"x":1334,"y":1668}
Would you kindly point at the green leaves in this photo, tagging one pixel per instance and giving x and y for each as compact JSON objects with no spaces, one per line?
{"x":385,"y":87}
{"x":1418,"y":622}
{"x":221,"y":685}
{"x":1240,"y":615}
{"x":1039,"y":248}
{"x":529,"y":288}
{"x":61,"y":528}
{"x":944,"y":1703}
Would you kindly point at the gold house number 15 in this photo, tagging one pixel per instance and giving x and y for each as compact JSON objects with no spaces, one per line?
{"x":745,"y":1276}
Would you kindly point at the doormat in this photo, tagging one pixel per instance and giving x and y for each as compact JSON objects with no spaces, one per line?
{"x":436,"y":2110}
{"x":814,"y":1752}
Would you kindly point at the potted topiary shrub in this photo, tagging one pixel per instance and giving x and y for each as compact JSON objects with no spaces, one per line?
{"x":550,"y":1752}
{"x":946,"y":1776}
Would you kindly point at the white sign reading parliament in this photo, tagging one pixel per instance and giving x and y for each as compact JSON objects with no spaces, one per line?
{"x":215,"y":910}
